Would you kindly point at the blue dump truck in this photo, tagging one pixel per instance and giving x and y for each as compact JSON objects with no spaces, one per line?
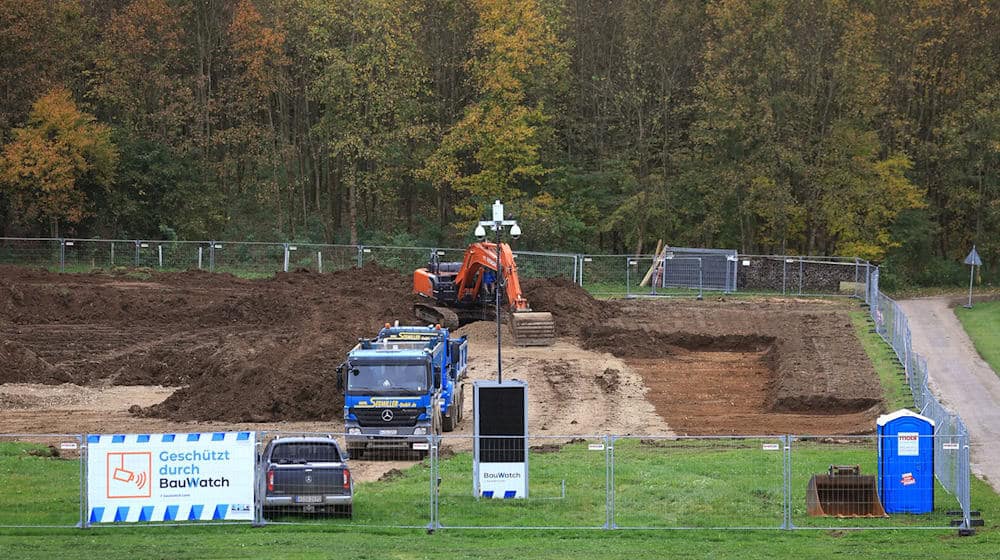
{"x":401,"y":386}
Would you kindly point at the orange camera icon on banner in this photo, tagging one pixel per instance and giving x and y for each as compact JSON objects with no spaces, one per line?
{"x":129,"y":474}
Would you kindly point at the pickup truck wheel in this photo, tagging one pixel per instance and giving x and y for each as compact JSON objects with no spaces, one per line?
{"x":448,"y":421}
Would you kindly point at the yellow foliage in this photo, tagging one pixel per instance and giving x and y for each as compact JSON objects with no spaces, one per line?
{"x":49,"y":161}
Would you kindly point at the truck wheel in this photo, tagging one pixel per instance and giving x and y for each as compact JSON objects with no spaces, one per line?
{"x":449,"y":421}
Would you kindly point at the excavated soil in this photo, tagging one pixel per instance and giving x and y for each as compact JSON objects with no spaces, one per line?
{"x":216,"y":349}
{"x":572,"y":307}
{"x":747,"y":367}
{"x":239,"y":350}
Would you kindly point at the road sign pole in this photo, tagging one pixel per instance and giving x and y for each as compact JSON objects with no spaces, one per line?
{"x":972,"y":275}
{"x":973,"y":260}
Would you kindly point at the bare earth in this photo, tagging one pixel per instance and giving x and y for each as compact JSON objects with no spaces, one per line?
{"x":200,"y":352}
{"x":965,"y":383}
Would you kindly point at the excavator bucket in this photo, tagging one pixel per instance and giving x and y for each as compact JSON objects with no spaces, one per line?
{"x":843,"y":492}
{"x":533,"y":328}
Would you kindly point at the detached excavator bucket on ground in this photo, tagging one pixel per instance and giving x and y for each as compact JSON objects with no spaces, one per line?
{"x":533,"y":328}
{"x":843,"y":492}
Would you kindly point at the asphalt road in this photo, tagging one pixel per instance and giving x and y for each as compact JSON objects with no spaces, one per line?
{"x":961,"y":379}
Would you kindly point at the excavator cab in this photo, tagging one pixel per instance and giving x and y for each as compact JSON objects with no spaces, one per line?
{"x":464,"y":292}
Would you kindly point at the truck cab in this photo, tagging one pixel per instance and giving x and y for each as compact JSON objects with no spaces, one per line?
{"x":402,"y":386}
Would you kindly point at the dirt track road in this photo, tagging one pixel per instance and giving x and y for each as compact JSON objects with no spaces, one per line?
{"x":965,"y":383}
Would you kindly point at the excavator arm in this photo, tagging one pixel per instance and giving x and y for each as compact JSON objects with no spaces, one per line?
{"x":460,"y":286}
{"x":483,"y":256}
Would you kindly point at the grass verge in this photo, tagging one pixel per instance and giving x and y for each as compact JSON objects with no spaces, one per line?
{"x":982,"y":323}
{"x":890,"y":371}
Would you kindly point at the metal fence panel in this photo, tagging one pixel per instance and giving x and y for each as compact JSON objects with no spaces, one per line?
{"x":567,"y":486}
{"x":826,"y":494}
{"x":698,"y":482}
{"x":41,"y":480}
{"x":391,"y":487}
{"x":952,"y":469}
{"x":799,"y":275}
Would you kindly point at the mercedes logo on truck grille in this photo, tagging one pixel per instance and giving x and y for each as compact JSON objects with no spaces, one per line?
{"x":387,"y":415}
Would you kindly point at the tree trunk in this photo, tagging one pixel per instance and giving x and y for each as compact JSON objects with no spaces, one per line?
{"x":352,"y":203}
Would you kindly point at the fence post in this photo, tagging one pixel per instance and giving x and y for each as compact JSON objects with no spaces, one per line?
{"x":136,"y":241}
{"x":786,"y":473}
{"x":361,"y":257}
{"x":211,"y":257}
{"x":701,"y":279}
{"x":609,"y":499}
{"x":200,"y":249}
{"x":62,"y":255}
{"x":285,"y":266}
{"x":258,"y":501}
{"x":159,"y":254}
{"x":112,"y":254}
{"x":319,"y":261}
{"x":433,"y":440}
{"x":800,"y":275}
{"x":784,"y":274}
{"x":964,"y":470}
{"x":84,"y":504}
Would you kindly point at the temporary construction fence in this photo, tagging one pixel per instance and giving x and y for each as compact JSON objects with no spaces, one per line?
{"x":575,"y":482}
{"x":608,"y":274}
{"x":677,"y":271}
{"x":952,"y":470}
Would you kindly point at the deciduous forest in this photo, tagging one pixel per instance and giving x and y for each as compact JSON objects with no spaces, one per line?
{"x":842,"y":127}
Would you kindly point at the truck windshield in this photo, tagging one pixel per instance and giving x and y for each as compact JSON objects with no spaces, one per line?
{"x":305,"y":452}
{"x":388,"y":379}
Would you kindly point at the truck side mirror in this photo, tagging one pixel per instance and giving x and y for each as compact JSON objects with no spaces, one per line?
{"x":340,"y":376}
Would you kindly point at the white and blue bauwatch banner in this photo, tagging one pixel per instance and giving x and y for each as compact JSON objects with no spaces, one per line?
{"x":502,"y":480}
{"x":170,"y":477}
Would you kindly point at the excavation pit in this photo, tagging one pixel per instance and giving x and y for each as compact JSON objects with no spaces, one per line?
{"x":734,"y":384}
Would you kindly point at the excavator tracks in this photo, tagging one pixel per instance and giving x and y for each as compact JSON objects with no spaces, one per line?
{"x":436,"y":315}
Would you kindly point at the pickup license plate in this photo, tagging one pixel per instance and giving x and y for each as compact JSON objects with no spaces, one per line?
{"x":387,"y":432}
{"x":308,"y":499}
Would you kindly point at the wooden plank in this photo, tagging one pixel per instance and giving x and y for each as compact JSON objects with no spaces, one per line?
{"x":652,"y":267}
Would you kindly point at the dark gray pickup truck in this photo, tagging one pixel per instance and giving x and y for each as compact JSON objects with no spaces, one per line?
{"x":306,"y":475}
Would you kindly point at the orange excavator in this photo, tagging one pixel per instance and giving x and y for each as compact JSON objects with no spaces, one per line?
{"x":466,"y":291}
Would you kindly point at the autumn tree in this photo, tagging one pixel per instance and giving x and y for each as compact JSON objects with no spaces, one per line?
{"x":494,"y":151}
{"x":371,"y":83}
{"x":59,"y":157}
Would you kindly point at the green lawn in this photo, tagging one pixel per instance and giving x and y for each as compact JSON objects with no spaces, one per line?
{"x":982,"y":322}
{"x":659,"y":483}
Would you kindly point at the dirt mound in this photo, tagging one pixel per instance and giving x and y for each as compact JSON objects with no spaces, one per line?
{"x":573,"y":308}
{"x":241,"y":350}
{"x":19,"y":364}
{"x":640,"y":343}
{"x":292,"y":374}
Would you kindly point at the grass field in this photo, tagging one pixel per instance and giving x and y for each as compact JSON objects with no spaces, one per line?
{"x":982,"y":322}
{"x":659,"y":483}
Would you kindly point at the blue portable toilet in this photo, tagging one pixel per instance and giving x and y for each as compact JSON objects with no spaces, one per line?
{"x":906,"y":462}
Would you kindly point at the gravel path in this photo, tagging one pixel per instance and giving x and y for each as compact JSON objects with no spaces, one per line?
{"x":964,"y":382}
